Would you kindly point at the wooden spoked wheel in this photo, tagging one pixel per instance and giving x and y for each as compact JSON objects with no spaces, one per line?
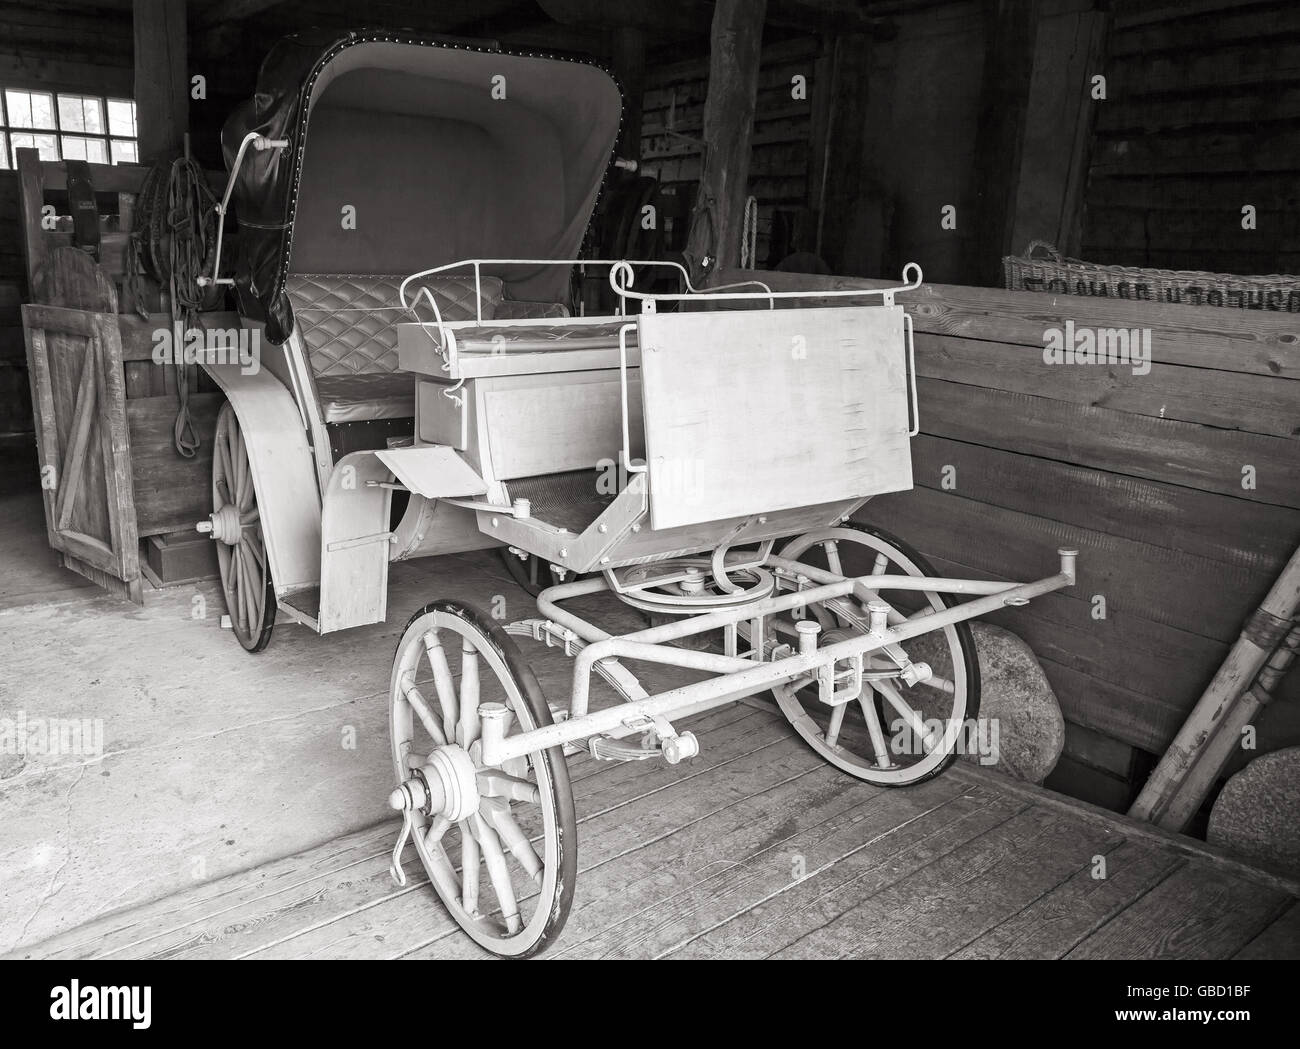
{"x":893,"y":734}
{"x":236,"y":526}
{"x":516,"y":823}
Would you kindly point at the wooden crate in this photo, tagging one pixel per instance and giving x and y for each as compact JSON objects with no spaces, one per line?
{"x":104,"y":410}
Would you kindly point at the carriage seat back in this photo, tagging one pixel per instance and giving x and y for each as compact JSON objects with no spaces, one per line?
{"x":347,"y":325}
{"x":347,"y":321}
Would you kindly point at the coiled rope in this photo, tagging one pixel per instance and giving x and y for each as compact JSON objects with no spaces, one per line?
{"x":175,"y":231}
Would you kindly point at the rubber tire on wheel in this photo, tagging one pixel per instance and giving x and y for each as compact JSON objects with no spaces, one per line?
{"x":965,"y":641}
{"x":494,"y":641}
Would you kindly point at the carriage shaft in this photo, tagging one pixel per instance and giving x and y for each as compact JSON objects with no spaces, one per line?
{"x":741,"y":683}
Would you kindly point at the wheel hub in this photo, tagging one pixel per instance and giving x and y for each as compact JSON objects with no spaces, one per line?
{"x":226,"y":526}
{"x":445,"y":785}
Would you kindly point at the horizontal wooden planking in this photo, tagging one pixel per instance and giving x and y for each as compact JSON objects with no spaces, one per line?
{"x":776,"y":59}
{"x":1130,"y":677}
{"x":1225,"y":110}
{"x":1253,"y":341}
{"x":1260,"y":61}
{"x":1132,"y":16}
{"x":171,"y":492}
{"x":1157,"y":449}
{"x":1254,"y":537}
{"x":1234,"y":401}
{"x":1268,"y":192}
{"x":1273,"y":147}
{"x":1219,"y":221}
{"x":1191,"y":593}
{"x":1217,"y":25}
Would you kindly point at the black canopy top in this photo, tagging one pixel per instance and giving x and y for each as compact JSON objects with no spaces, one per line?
{"x":421,"y":152}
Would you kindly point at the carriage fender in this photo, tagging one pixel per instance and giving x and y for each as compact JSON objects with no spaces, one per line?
{"x":284,"y":473}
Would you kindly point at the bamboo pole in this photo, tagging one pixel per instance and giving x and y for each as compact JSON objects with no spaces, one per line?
{"x":1213,"y":730}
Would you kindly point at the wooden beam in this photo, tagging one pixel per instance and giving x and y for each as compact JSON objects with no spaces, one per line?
{"x":629,"y":66}
{"x":844,"y":197}
{"x":1010,"y":34}
{"x":735,"y":51}
{"x":162,"y":89}
{"x":1058,"y":132}
{"x":231,"y":11}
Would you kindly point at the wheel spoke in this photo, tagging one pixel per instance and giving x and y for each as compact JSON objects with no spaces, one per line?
{"x":437,"y":829}
{"x":441,"y":872}
{"x":943,"y":684}
{"x":913,"y":720}
{"x":412,"y":695}
{"x":468,"y":729}
{"x":496,"y":813}
{"x":258,"y":555}
{"x":881,"y":563}
{"x":837,"y":721}
{"x":238,"y":602}
{"x":867,"y":701}
{"x":248,"y":591}
{"x":832,"y":549}
{"x":226,"y":469}
{"x":498,"y":872}
{"x":443,"y":684}
{"x":494,"y":783}
{"x":470,"y":859}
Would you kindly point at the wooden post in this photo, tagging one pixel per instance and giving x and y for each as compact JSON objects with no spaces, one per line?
{"x":1010,"y":34}
{"x":1058,"y":133}
{"x":838,"y":163}
{"x":162,"y":87}
{"x":629,"y":67}
{"x":735,"y":50}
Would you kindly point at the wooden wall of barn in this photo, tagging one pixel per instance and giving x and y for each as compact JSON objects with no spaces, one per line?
{"x":782,"y":172}
{"x":1202,"y":117}
{"x":1180,"y":487}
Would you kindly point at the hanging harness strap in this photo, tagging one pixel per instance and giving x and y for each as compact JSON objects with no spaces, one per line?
{"x":174,"y":235}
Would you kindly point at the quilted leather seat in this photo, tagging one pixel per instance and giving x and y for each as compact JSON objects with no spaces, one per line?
{"x":347,"y":323}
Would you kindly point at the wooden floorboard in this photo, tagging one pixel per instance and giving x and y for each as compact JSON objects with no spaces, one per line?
{"x":758,"y":849}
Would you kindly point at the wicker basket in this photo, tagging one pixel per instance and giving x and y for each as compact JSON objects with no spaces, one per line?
{"x":1042,"y":268}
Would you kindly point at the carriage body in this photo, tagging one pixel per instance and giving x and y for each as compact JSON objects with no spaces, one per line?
{"x":411,"y":215}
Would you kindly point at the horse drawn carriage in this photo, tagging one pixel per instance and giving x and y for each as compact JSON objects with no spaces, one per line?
{"x":411,"y":213}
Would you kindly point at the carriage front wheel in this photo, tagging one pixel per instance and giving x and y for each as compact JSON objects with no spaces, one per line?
{"x":516,"y":823}
{"x":236,"y":526}
{"x":892,"y":734}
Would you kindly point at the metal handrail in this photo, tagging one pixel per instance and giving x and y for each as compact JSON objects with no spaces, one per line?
{"x":887,"y":294}
{"x":260,"y":143}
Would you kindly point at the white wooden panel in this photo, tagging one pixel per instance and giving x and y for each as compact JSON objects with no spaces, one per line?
{"x":559,"y":422}
{"x":764,"y":410}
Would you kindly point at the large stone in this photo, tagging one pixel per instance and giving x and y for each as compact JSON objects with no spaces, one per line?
{"x":1021,"y":731}
{"x":1257,"y":815}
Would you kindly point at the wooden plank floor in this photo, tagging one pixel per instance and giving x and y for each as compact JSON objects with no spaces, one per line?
{"x":758,"y":849}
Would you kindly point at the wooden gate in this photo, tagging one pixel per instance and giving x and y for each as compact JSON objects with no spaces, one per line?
{"x":79,"y":397}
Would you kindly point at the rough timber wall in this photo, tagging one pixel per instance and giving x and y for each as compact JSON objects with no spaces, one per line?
{"x":782,"y":168}
{"x":1202,"y":118}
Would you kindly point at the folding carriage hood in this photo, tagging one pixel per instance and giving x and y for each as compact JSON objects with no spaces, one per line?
{"x":444,"y":151}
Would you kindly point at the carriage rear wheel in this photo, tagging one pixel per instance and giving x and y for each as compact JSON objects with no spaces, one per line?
{"x":236,"y":526}
{"x":892,"y":735}
{"x":516,"y":822}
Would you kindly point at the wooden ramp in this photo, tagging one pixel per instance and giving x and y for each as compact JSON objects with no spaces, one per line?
{"x":758,"y":849}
